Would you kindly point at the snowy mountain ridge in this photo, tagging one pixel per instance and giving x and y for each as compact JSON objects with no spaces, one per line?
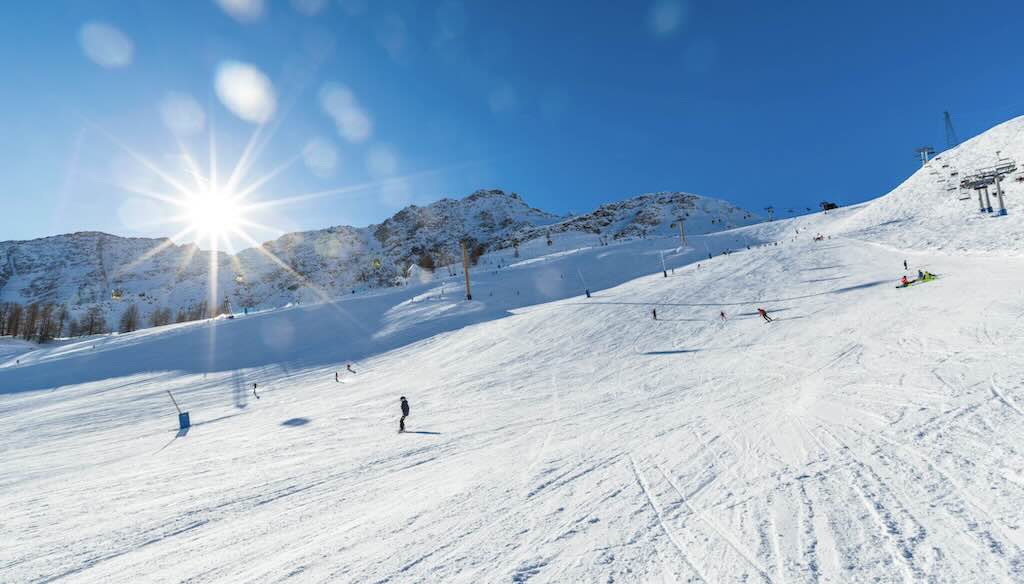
{"x":97,"y":269}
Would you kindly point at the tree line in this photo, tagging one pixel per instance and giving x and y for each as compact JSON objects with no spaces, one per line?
{"x":43,"y":321}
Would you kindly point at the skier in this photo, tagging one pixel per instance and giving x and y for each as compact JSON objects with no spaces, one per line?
{"x":764,"y":314}
{"x":904,"y":282}
{"x":254,"y":391}
{"x":721,"y":314}
{"x":336,"y":379}
{"x":904,"y":265}
{"x":350,"y":369}
{"x":654,"y":313}
{"x":405,"y":412}
{"x":920,"y":275}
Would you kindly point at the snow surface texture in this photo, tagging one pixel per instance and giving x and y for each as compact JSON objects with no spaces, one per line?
{"x":869,"y":434}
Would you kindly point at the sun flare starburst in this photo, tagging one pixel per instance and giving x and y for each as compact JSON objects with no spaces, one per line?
{"x":213,"y":213}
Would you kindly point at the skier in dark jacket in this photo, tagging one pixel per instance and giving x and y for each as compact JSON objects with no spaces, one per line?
{"x":764,"y":314}
{"x":654,"y":313}
{"x":405,"y":412}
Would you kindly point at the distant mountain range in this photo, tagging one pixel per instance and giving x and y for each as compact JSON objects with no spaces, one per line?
{"x":86,"y":269}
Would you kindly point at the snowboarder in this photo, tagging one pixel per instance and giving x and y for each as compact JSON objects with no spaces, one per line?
{"x":764,"y":314}
{"x":654,"y":313}
{"x":904,"y":282}
{"x":405,"y":412}
{"x":254,"y":391}
{"x":350,"y":369}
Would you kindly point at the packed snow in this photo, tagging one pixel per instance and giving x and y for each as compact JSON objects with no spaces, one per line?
{"x":868,"y":433}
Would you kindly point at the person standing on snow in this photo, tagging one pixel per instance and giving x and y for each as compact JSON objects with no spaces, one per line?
{"x":904,"y":265}
{"x":721,"y":314}
{"x":654,"y":313}
{"x":764,"y":314}
{"x":405,"y":413}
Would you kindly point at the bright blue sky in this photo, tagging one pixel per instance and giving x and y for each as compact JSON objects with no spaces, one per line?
{"x":568,"y":103}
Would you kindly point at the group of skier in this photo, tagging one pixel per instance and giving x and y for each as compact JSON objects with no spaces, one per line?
{"x":922,"y":276}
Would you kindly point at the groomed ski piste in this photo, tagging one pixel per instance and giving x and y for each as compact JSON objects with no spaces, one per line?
{"x":868,"y":434}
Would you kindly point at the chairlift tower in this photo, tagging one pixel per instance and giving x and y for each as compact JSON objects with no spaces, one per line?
{"x":951,"y":139}
{"x":682,"y":235}
{"x":925,"y":152}
{"x":991,"y":176}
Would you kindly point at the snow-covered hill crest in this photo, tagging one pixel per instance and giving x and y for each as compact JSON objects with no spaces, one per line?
{"x":929,"y":212}
{"x":97,"y":269}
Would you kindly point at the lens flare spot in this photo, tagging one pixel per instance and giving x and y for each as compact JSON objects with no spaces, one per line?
{"x":321,"y":157}
{"x":105,"y":45}
{"x":182,"y":114}
{"x":246,"y":91}
{"x":244,"y":11}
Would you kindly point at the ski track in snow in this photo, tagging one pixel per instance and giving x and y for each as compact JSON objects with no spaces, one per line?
{"x":869,"y":434}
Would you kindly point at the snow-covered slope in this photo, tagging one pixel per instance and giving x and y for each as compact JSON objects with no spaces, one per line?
{"x":922,"y":214}
{"x":96,"y":269}
{"x":868,"y":434}
{"x":651,"y":215}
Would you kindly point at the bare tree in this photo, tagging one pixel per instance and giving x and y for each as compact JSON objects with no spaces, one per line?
{"x":160,"y":317}
{"x":200,"y":311}
{"x":73,"y":328}
{"x":62,"y":317}
{"x":181,"y":316}
{"x":94,"y":322}
{"x":47,"y":323}
{"x":4,"y":308}
{"x":28,"y":329}
{"x":129,"y":319}
{"x":14,"y":319}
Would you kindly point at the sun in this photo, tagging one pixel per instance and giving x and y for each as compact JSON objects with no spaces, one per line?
{"x":213,"y":213}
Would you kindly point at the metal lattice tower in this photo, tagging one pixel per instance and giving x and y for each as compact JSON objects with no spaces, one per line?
{"x":925,"y":152}
{"x":951,"y":139}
